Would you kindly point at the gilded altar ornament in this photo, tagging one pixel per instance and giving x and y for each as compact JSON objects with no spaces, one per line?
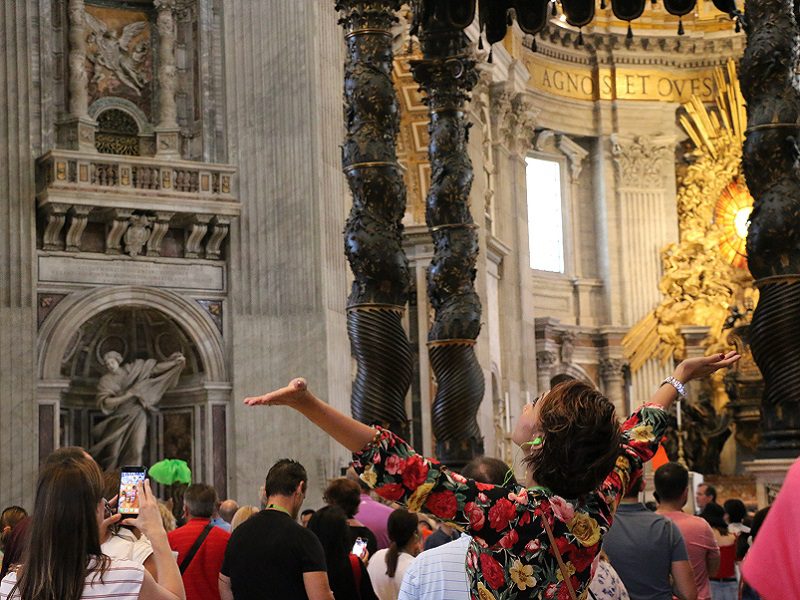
{"x":703,"y":273}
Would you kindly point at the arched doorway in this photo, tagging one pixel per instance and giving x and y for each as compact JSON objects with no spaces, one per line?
{"x":139,"y":323}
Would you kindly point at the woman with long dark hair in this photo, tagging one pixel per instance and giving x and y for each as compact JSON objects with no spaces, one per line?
{"x":387,"y":567}
{"x":527,"y":542}
{"x":63,"y":560}
{"x":724,"y":585}
{"x":347,"y":575}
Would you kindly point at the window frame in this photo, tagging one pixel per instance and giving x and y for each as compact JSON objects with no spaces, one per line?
{"x":566,"y":216}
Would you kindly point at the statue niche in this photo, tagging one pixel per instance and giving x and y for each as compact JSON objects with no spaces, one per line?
{"x":136,"y":388}
{"x":125,"y":395}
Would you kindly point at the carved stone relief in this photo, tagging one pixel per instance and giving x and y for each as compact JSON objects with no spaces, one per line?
{"x":640,"y":162}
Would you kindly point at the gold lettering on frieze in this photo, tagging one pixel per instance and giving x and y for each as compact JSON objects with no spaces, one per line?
{"x":621,"y":83}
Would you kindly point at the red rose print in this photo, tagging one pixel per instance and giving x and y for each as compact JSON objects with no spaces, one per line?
{"x":524,"y":519}
{"x":475,"y":515}
{"x":551,"y":590}
{"x":484,"y":487}
{"x":442,"y":504}
{"x":501,"y":513}
{"x":415,"y":471}
{"x":509,"y":540}
{"x":533,"y":546}
{"x":563,"y":592}
{"x":393,"y":464}
{"x":492,"y":571}
{"x":390,"y":491}
{"x":582,"y":557}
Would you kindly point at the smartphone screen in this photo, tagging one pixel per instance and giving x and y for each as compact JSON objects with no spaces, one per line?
{"x":359,"y":547}
{"x":128,"y":502}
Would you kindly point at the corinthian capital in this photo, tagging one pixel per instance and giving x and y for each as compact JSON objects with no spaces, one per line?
{"x":514,"y":117}
{"x":612,"y":368}
{"x":640,"y":161}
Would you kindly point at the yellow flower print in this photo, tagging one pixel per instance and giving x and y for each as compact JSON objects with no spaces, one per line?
{"x":369,"y":476}
{"x":522,"y":575}
{"x":643,"y":433}
{"x":483,"y":593}
{"x":570,"y":570}
{"x":419,"y":496}
{"x":585,"y":529}
{"x":623,"y":464}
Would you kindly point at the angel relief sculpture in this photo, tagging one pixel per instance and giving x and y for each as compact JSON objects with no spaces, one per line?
{"x":115,"y":55}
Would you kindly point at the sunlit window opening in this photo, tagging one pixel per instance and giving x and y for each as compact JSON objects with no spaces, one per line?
{"x":545,"y":222}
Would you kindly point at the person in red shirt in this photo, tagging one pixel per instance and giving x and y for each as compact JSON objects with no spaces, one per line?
{"x":201,"y":573}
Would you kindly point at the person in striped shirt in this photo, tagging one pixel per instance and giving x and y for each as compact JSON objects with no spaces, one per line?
{"x":64,"y":559}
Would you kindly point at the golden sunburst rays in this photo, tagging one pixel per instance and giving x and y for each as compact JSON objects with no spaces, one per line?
{"x":732,"y":214}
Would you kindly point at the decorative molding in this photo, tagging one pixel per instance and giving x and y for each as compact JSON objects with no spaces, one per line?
{"x":545,"y":359}
{"x":612,"y":369}
{"x":195,"y":235}
{"x":117,"y":225}
{"x":640,"y":162}
{"x":575,"y":154}
{"x":514,"y":115}
{"x":160,"y":226}
{"x":56,"y":216}
{"x":219,"y":231}
{"x":568,"y":347}
{"x":79,"y":216}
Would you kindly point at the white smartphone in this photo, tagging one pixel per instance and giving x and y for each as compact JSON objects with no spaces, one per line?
{"x":359,"y":547}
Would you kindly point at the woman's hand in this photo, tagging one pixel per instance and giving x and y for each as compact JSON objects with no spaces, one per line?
{"x":702,"y":366}
{"x":295,"y":394}
{"x":149,"y":519}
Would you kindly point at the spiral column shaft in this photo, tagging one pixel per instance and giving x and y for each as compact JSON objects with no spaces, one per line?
{"x":770,"y":157}
{"x":373,"y":232}
{"x":447,"y":74}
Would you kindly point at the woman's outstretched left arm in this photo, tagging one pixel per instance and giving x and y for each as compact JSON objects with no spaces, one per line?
{"x":350,"y":433}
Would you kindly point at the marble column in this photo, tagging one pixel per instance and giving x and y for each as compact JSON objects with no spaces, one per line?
{"x":77,"y":131}
{"x":167,"y":130}
{"x":18,"y":124}
{"x":641,"y":167}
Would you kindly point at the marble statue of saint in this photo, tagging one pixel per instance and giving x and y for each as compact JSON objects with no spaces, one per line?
{"x":125,"y":395}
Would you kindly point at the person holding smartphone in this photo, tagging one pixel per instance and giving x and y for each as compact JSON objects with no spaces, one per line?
{"x":64,"y":558}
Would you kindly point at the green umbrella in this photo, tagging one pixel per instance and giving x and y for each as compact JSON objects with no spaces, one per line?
{"x":171,"y":470}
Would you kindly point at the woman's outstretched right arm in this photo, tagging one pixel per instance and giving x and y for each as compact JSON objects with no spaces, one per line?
{"x":350,"y":433}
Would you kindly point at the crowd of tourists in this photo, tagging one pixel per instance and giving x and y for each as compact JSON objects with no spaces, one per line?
{"x":403,"y":526}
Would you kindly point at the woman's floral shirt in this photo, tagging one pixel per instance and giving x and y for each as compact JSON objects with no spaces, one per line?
{"x":510,"y":556}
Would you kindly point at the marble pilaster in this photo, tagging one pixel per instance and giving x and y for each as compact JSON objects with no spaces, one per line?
{"x":289,"y":279}
{"x":18,"y":122}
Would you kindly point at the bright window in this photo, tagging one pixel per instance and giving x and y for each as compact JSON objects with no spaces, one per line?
{"x":545,"y":222}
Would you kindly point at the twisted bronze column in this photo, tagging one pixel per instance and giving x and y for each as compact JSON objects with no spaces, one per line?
{"x":373,"y":233}
{"x":771,"y":153}
{"x":447,"y":74}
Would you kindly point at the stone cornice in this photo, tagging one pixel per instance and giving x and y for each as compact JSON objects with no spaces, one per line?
{"x":561,"y":44}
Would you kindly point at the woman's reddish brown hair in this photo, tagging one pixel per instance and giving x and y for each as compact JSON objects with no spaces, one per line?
{"x":581,"y":439}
